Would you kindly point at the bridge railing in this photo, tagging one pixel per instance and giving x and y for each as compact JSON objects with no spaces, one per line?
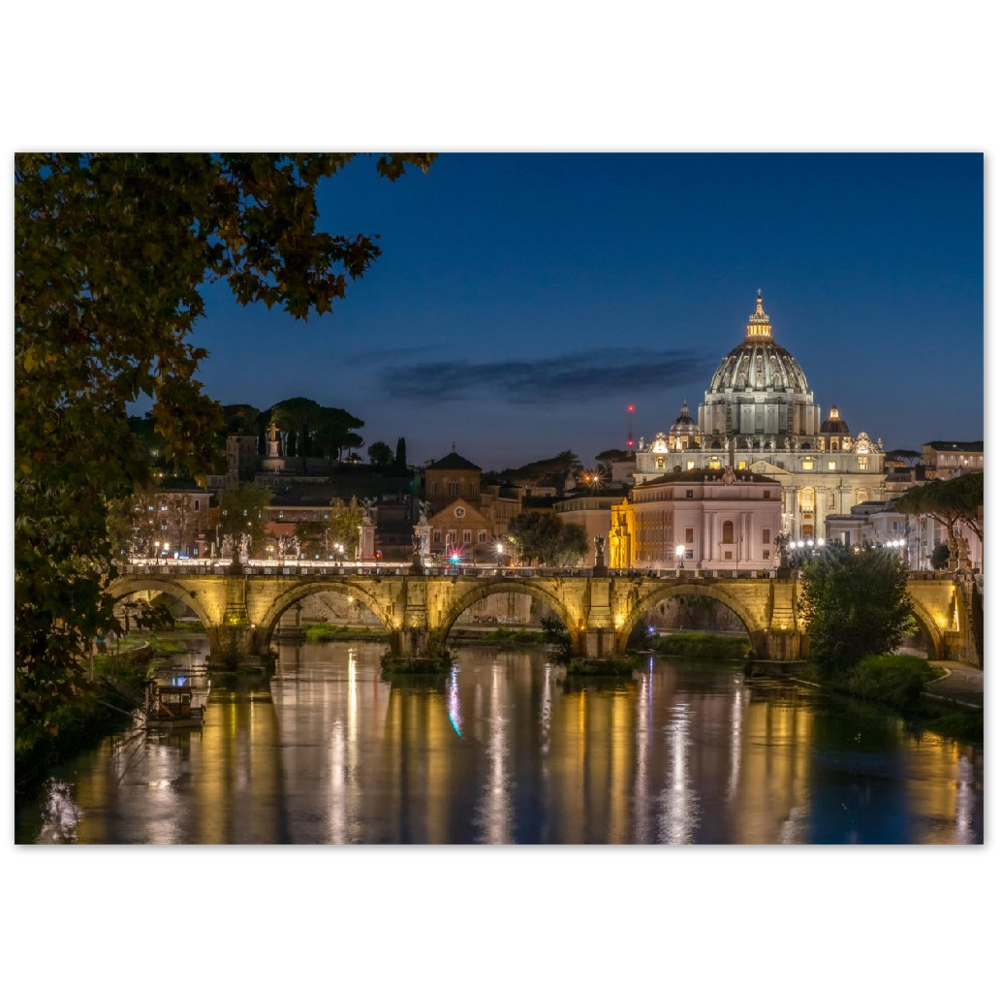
{"x":263,"y":567}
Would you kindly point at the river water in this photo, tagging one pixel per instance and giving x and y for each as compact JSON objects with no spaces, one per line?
{"x":505,"y":750}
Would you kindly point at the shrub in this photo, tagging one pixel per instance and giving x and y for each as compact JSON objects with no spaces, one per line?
{"x":703,"y":646}
{"x":898,"y":681}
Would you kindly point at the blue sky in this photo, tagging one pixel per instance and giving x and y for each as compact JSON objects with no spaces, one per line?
{"x":523,"y":301}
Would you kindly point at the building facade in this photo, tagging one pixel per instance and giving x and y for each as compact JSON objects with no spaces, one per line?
{"x":759,"y":416}
{"x":698,"y":520}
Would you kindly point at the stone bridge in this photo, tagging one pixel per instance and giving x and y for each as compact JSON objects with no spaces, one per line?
{"x":241,"y":610}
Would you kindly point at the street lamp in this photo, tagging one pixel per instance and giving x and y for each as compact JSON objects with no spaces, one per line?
{"x":679,"y":552}
{"x":499,"y":554}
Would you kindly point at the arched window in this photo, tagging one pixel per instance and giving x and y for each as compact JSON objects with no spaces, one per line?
{"x":727,"y":532}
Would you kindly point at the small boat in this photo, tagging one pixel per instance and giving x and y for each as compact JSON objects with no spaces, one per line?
{"x":177,"y":699}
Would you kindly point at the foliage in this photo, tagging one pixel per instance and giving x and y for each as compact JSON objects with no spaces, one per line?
{"x":325,"y":632}
{"x":612,"y":666}
{"x":400,"y":459}
{"x":295,"y":419}
{"x":544,"y":539}
{"x":312,"y":539}
{"x":903,"y":455}
{"x":504,"y":636}
{"x":855,"y":604}
{"x":243,"y":511}
{"x":242,"y":418}
{"x":558,"y":638}
{"x":335,"y":431}
{"x":948,"y":501}
{"x":545,"y":472}
{"x":898,"y":681}
{"x":379,"y":453}
{"x":940,"y":556}
{"x":437,"y":659}
{"x":112,"y":252}
{"x":344,"y":521}
{"x":612,"y":455}
{"x":702,"y":645}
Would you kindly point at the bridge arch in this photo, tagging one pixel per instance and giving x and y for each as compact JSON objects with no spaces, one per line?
{"x":125,"y":586}
{"x":272,"y":615}
{"x":498,"y":585}
{"x":930,"y":626}
{"x":669,"y":589}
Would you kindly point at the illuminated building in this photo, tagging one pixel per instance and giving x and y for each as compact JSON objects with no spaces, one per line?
{"x":759,"y":416}
{"x":718,"y":520}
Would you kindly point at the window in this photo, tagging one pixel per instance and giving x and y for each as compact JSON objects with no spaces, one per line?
{"x":689,"y":535}
{"x":727,"y":533}
{"x":741,"y":464}
{"x":767,"y":553}
{"x":831,"y":465}
{"x":450,"y":537}
{"x":482,"y":537}
{"x":714,"y":462}
{"x":197,"y":505}
{"x":467,"y":537}
{"x":862,"y":462}
{"x":690,"y":465}
{"x":437,"y":535}
{"x":434,"y":489}
{"x":765,"y":536}
{"x":727,"y":555}
{"x":807,"y":464}
{"x":689,"y":494}
{"x":767,"y":494}
{"x":452,"y":488}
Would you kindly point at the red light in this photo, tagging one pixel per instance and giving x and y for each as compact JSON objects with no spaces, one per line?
{"x":631,"y":408}
{"x":630,"y":443}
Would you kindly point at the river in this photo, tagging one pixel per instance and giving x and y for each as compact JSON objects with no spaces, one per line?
{"x":505,"y":750}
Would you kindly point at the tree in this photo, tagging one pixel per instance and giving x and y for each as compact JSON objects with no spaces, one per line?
{"x":297,"y":418}
{"x":111,"y":252}
{"x":243,"y":512}
{"x":546,"y":472}
{"x":343,"y":522}
{"x":903,"y":455}
{"x":855,"y":604}
{"x":335,"y":431}
{"x":949,"y":502}
{"x":379,"y":453}
{"x":400,"y":460}
{"x":544,"y":539}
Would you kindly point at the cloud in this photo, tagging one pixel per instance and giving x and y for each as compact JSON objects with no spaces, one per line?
{"x":546,"y":380}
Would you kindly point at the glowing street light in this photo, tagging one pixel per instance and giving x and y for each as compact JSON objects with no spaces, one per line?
{"x":499,"y":553}
{"x":679,"y":552}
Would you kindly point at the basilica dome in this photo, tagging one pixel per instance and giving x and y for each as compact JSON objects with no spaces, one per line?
{"x":759,"y":390}
{"x":685,"y":423}
{"x":759,"y":364}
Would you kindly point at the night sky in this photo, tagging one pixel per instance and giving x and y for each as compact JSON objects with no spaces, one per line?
{"x":523,"y":301}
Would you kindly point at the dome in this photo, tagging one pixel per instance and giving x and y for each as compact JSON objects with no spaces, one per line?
{"x":759,"y":364}
{"x":684,"y":424}
{"x":833,"y":424}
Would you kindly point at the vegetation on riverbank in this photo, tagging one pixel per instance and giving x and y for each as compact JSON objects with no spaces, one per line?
{"x":436,"y":660}
{"x":104,"y":706}
{"x":501,"y":636}
{"x":900,"y":683}
{"x":612,"y":666}
{"x":325,"y":632}
{"x":702,"y":645}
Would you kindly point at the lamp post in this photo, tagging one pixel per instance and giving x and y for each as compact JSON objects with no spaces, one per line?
{"x":499,"y":556}
{"x":679,"y":552}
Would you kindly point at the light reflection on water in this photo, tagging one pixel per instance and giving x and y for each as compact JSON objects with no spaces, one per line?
{"x":505,"y":750}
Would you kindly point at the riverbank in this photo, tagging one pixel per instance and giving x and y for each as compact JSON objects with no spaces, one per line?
{"x":105,"y":709}
{"x":950,"y":704}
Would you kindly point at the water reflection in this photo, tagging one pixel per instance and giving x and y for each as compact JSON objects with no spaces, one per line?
{"x":505,"y":750}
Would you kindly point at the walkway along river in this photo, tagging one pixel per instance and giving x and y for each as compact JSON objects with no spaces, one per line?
{"x":504,"y":750}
